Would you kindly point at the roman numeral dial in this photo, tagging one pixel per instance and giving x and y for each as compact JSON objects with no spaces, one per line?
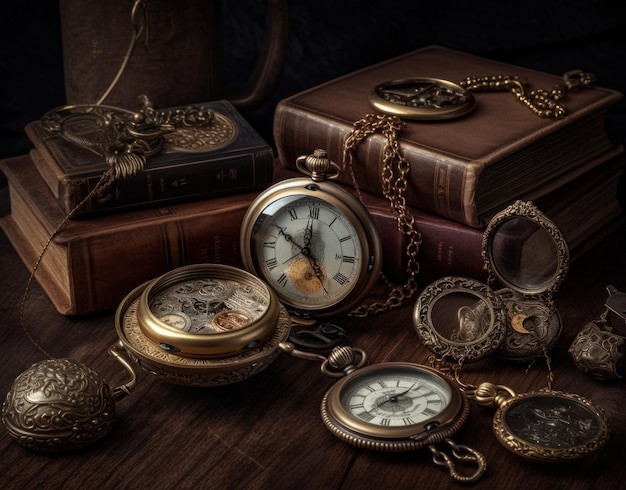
{"x":314,"y":243}
{"x":309,"y":251}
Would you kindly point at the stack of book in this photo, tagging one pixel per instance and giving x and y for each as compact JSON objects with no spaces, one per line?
{"x":184,"y":208}
{"x":465,"y":170}
{"x":461,"y":173}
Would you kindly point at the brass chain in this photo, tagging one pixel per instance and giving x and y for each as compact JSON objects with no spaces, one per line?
{"x":544,"y":103}
{"x":394,"y":185}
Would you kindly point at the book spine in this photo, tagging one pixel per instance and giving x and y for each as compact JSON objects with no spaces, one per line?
{"x":447,"y":248}
{"x":103,"y":269}
{"x":159,"y":186}
{"x":439,"y":185}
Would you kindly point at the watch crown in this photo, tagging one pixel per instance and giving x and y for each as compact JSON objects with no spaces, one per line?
{"x":318,"y":166}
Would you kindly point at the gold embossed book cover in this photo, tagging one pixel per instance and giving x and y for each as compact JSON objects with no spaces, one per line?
{"x":227,"y":158}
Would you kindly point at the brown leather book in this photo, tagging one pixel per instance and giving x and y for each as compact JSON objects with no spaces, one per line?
{"x":463,"y":169}
{"x":243,"y":163}
{"x":91,"y":264}
{"x":585,"y":209}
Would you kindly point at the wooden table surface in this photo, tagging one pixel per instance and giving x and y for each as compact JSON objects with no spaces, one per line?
{"x":266,"y":432}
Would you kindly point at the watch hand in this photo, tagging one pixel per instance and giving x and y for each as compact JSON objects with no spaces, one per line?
{"x":289,"y":238}
{"x":394,"y":397}
{"x":308,"y":232}
{"x":307,"y":253}
{"x":317,"y":270}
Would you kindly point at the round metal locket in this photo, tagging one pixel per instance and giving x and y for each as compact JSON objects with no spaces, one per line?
{"x":202,"y":325}
{"x":462,"y":318}
{"x":422,"y":99}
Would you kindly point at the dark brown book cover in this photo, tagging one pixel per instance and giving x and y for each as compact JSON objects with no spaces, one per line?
{"x":91,"y":264}
{"x":244,"y":163}
{"x":585,"y":210}
{"x":464,"y":169}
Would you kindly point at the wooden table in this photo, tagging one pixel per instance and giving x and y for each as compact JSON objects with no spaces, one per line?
{"x":266,"y":432}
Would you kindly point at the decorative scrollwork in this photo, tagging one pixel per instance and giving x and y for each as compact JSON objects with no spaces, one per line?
{"x":58,"y":405}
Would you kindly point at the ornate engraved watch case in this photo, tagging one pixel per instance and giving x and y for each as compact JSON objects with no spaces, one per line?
{"x":464,"y":319}
{"x":202,"y":325}
{"x":599,"y":347}
{"x":312,"y":242}
{"x":545,"y":426}
{"x":422,"y":99}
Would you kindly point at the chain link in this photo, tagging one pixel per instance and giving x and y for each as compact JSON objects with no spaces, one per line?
{"x":394,"y":184}
{"x":544,"y":103}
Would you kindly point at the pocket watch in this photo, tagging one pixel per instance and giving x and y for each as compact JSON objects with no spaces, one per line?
{"x":422,"y":99}
{"x":202,"y":325}
{"x":464,"y":319}
{"x":312,"y":242}
{"x":544,"y":426}
{"x":395,"y":406}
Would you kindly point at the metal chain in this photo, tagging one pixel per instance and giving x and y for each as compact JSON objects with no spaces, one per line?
{"x":394,"y":185}
{"x":544,"y":103}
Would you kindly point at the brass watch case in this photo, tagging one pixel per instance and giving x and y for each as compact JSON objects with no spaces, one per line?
{"x":227,"y":342}
{"x":422,"y":99}
{"x":351,"y":208}
{"x":348,"y":428}
{"x":526,"y":252}
{"x":550,"y":426}
{"x":211,"y":369}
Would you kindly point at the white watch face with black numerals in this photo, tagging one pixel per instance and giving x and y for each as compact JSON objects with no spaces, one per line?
{"x":394,"y":406}
{"x":307,"y":250}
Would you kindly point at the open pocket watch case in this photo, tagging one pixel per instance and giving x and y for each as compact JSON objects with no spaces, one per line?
{"x":202,"y":325}
{"x":464,"y":319}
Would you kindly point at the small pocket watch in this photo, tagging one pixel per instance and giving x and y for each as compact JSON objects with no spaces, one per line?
{"x":202,"y":325}
{"x":544,"y":426}
{"x":396,"y":406}
{"x":312,"y":242}
{"x":464,"y":319}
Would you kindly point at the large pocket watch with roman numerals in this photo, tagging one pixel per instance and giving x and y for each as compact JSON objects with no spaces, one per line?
{"x":312,"y":242}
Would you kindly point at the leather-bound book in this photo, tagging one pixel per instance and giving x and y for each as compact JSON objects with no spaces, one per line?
{"x":92,"y":263}
{"x":462,"y":169}
{"x":237,"y":160}
{"x":585,"y":209}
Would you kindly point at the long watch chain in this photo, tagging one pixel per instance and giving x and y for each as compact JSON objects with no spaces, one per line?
{"x":394,"y":185}
{"x":139,"y":24}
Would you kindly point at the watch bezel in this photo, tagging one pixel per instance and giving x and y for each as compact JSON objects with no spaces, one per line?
{"x":192,"y":371}
{"x":470,"y":350}
{"x":214,"y":344}
{"x":428,"y":112}
{"x":511,"y":438}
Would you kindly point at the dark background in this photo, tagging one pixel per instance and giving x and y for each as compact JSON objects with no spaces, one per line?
{"x":329,"y":38}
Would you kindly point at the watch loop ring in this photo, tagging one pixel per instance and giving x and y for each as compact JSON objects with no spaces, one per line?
{"x":343,"y":360}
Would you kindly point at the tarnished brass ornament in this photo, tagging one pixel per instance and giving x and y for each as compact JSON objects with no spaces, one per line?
{"x":60,"y":405}
{"x":422,"y":99}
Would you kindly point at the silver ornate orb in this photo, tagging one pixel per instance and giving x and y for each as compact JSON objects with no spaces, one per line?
{"x":58,"y":405}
